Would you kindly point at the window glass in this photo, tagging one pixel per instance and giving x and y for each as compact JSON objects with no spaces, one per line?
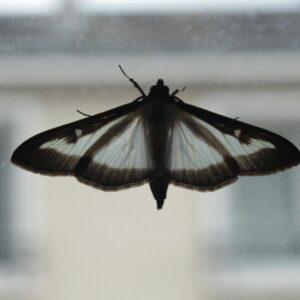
{"x":265,"y":215}
{"x":237,"y":58}
{"x":187,"y":6}
{"x":28,"y":6}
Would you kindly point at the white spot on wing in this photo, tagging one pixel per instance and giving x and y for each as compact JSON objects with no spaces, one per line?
{"x":78,"y":133}
{"x":237,"y":133}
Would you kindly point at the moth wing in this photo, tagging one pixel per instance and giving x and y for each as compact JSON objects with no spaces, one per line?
{"x":209,"y":151}
{"x":107,"y":150}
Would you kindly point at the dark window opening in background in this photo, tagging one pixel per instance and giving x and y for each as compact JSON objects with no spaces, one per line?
{"x":6,"y":232}
{"x":265,"y":214}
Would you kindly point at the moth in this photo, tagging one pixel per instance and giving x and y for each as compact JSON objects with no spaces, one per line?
{"x":160,"y":140}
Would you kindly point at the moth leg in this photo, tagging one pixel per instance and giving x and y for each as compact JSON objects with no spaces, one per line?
{"x":82,"y":113}
{"x":87,"y":115}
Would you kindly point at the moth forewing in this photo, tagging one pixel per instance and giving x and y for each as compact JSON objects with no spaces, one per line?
{"x":255,"y":150}
{"x":103,"y":140}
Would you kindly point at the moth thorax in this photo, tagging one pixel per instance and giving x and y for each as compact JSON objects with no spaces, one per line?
{"x":159,"y":92}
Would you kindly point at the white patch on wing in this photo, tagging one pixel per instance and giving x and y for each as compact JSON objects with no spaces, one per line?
{"x":64,"y":146}
{"x":189,"y":152}
{"x":78,"y":133}
{"x":237,"y":132}
{"x":233,"y":145}
{"x":127,"y":151}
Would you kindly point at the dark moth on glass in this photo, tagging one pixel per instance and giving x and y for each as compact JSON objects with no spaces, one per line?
{"x":160,"y":140}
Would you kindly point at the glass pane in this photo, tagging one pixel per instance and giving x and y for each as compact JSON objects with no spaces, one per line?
{"x":28,"y":6}
{"x":264,"y":214}
{"x":187,"y":6}
{"x":96,"y":241}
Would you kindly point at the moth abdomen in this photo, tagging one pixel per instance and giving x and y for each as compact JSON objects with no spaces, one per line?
{"x":159,"y":187}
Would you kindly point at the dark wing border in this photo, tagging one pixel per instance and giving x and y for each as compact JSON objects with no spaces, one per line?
{"x":227,"y":125}
{"x":19,"y":155}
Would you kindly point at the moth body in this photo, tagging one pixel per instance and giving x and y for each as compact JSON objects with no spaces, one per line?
{"x":158,"y":123}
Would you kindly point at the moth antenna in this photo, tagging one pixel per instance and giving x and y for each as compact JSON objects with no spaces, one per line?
{"x":177,"y":91}
{"x":136,"y":85}
{"x":82,"y":113}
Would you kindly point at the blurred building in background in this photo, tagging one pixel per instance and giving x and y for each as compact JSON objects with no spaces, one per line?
{"x":60,"y":239}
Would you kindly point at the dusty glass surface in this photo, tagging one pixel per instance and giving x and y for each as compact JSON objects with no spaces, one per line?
{"x":61,"y":239}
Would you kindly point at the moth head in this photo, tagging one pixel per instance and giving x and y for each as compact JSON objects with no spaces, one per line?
{"x":159,"y":89}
